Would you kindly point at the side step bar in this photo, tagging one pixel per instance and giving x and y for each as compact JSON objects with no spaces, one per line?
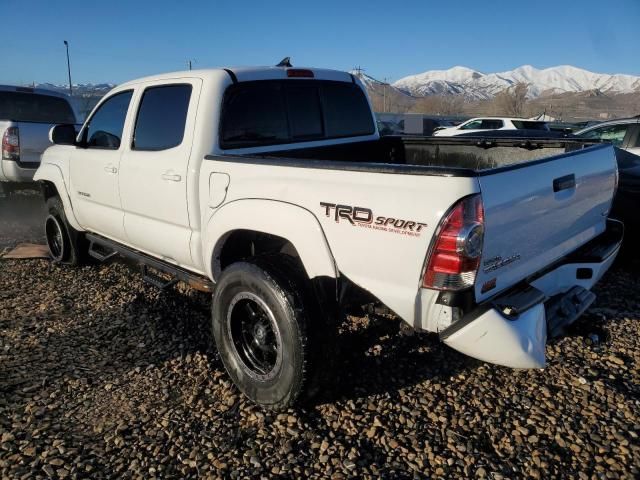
{"x":103,"y":249}
{"x":155,"y":280}
{"x":100,"y":253}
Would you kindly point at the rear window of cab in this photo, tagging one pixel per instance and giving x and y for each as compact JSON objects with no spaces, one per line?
{"x":35,"y":107}
{"x":272,"y":112}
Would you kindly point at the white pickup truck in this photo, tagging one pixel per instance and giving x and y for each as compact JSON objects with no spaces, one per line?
{"x":271,"y":188}
{"x":26,"y":116}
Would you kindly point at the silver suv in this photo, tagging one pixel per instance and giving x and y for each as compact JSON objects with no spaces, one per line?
{"x":26,"y":116}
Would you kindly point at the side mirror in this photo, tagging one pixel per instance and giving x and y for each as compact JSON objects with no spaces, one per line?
{"x":64,"y":134}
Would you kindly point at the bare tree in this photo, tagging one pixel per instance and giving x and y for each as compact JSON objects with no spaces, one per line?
{"x":439,"y":105}
{"x":452,"y":105}
{"x":512,"y":101}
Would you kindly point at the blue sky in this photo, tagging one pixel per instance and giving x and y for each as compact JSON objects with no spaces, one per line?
{"x":116,"y":40}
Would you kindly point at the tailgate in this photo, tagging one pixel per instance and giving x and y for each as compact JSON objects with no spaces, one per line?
{"x":536,"y":213}
{"x":34,"y":140}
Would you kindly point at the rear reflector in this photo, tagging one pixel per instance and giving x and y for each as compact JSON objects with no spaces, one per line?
{"x":11,"y":144}
{"x":299,"y":73}
{"x":455,"y":256}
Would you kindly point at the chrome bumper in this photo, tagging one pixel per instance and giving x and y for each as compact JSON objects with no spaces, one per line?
{"x":10,"y":171}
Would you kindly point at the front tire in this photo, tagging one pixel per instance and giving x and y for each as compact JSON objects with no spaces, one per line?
{"x":63,"y":241}
{"x":260,"y":327}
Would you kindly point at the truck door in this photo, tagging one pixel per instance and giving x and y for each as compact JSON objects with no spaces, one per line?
{"x":153,"y":180}
{"x":95,"y":168}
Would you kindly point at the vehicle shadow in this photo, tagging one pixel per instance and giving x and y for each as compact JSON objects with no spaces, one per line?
{"x":378,"y":355}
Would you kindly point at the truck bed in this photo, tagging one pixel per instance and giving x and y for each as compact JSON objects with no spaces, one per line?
{"x":452,"y":155}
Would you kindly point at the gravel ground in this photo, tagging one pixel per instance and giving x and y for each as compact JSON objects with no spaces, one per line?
{"x":104,"y":376}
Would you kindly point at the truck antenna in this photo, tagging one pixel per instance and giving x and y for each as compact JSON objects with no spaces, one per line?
{"x":285,"y":62}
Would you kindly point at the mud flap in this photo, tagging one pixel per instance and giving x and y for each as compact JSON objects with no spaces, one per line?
{"x":515,"y":343}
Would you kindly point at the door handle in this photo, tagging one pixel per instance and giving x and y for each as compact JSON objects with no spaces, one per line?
{"x":171,"y":177}
{"x":564,"y":183}
{"x":110,"y":169}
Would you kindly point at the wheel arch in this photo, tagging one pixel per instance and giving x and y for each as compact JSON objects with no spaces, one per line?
{"x":51,"y":182}
{"x":270,"y":220}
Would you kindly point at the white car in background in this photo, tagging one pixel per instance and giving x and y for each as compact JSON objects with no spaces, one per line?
{"x":491,"y":123}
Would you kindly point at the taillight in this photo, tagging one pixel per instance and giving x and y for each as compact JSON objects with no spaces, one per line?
{"x":455,"y":256}
{"x":11,"y":144}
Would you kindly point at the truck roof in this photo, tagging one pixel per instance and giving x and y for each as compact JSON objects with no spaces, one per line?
{"x":245,"y":74}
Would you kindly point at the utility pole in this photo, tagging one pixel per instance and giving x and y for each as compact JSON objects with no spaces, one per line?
{"x":66,"y":44}
{"x":189,"y":62}
{"x":384,"y":94}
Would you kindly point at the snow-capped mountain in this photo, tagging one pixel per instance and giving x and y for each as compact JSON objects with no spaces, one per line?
{"x":476,"y":85}
{"x":81,"y":89}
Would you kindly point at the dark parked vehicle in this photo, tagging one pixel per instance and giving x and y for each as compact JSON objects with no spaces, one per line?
{"x":524,"y":133}
{"x":624,"y":134}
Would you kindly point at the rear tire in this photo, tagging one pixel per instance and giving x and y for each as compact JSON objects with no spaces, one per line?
{"x":260,"y":327}
{"x":62,"y":239}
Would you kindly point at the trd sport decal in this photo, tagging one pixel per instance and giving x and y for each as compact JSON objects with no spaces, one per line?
{"x":363,"y":217}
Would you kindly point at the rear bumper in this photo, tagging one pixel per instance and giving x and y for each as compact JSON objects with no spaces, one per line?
{"x":12,"y":171}
{"x":512,"y":329}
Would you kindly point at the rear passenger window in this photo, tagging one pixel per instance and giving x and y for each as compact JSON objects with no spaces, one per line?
{"x":162,"y":116}
{"x":104,"y":129}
